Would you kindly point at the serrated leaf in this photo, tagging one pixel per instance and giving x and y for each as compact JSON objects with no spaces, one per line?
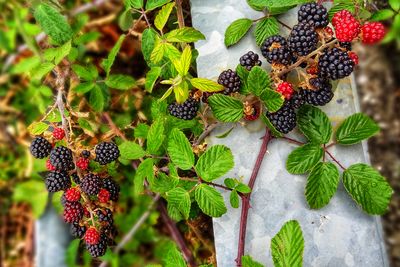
{"x":58,"y":53}
{"x":185,"y":60}
{"x":134,"y":3}
{"x":171,"y":51}
{"x":158,"y":52}
{"x":41,"y":70}
{"x":287,"y":246}
{"x":185,"y":35}
{"x":53,"y":23}
{"x":206,"y":85}
{"x":229,"y":182}
{"x":163,"y":15}
{"x":174,"y":258}
{"x":383,"y":14}
{"x":210,"y":201}
{"x":266,"y":28}
{"x":270,"y":126}
{"x":234,"y":199}
{"x":141,"y":130}
{"x":109,"y":61}
{"x":322,"y":184}
{"x":153,"y":4}
{"x":178,"y":204}
{"x":84,"y":87}
{"x":34,"y":193}
{"x":131,"y":150}
{"x":144,"y":170}
{"x":314,"y":124}
{"x":247,"y":261}
{"x":242,"y":188}
{"x":368,"y":188}
{"x":258,"y":81}
{"x":148,"y":42}
{"x":226,"y":108}
{"x":356,"y":128}
{"x":37,"y":128}
{"x":25,"y":65}
{"x":243,"y":74}
{"x":180,"y":150}
{"x":96,"y":99}
{"x":214,"y":163}
{"x":395,"y":4}
{"x":304,"y":158}
{"x":155,"y":137}
{"x":125,"y":20}
{"x":164,"y":183}
{"x":151,"y":78}
{"x":341,"y":6}
{"x":87,"y":73}
{"x":273,"y":100}
{"x":286,"y":3}
{"x":120,"y":81}
{"x":236,"y":30}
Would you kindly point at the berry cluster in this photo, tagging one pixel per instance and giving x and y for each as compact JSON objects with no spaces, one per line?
{"x":87,"y":197}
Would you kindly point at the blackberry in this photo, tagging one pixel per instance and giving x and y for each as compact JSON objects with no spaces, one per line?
{"x":185,"y":111}
{"x":297,"y":100}
{"x":77,"y":230}
{"x":61,"y":158}
{"x":314,"y":14}
{"x":275,"y":50}
{"x":40,"y":147}
{"x":230,"y":80}
{"x":284,"y":120}
{"x":73,"y":212}
{"x":91,"y":184}
{"x":85,"y":154}
{"x":57,"y":181}
{"x":249,"y":60}
{"x":98,"y":249}
{"x":112,"y":187}
{"x":322,"y":94}
{"x":63,"y":199}
{"x":75,"y":178}
{"x":335,"y":64}
{"x":346,"y":45}
{"x":105,"y":215}
{"x":106,"y":152}
{"x":303,"y":39}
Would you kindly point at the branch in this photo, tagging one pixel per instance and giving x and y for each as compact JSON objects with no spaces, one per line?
{"x":246,"y":198}
{"x":335,"y":160}
{"x":206,"y":133}
{"x":179,"y":14}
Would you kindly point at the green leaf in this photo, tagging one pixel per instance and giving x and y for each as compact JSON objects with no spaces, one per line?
{"x":206,"y":85}
{"x":304,"y":158}
{"x":226,"y":108}
{"x":258,"y":81}
{"x":258,"y":5}
{"x":273,"y":100}
{"x":148,"y":42}
{"x":125,"y":20}
{"x":37,"y":128}
{"x":145,"y":170}
{"x":180,"y":150}
{"x":214,"y":163}
{"x":243,"y":74}
{"x":210,"y":200}
{"x":109,"y":61}
{"x":151,"y":78}
{"x":234,"y":199}
{"x":178,"y":204}
{"x":322,"y":184}
{"x":25,"y":65}
{"x":87,"y":73}
{"x":287,"y":246}
{"x":171,"y":51}
{"x":368,"y":188}
{"x":356,"y":128}
{"x":134,"y":3}
{"x":41,"y":70}
{"x":141,"y":130}
{"x":96,"y":99}
{"x":34,"y":193}
{"x":229,"y":182}
{"x":164,"y":183}
{"x":53,"y":23}
{"x":185,"y":35}
{"x":395,"y":4}
{"x":236,"y":30}
{"x":153,"y":4}
{"x":285,"y":3}
{"x":163,"y":15}
{"x":131,"y":150}
{"x":158,"y":52}
{"x":173,"y":258}
{"x":266,"y":28}
{"x":270,"y":126}
{"x":85,"y":87}
{"x":58,"y":53}
{"x":314,"y":124}
{"x":120,"y":81}
{"x":185,"y":61}
{"x":155,"y":137}
{"x":242,"y":188}
{"x":247,"y":261}
{"x":383,"y":14}
{"x":72,"y":253}
{"x":348,"y":5}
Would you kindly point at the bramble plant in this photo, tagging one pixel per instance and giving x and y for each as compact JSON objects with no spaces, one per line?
{"x":158,"y":124}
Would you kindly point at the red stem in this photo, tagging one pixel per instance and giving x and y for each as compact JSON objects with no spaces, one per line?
{"x":335,"y":160}
{"x":246,"y":198}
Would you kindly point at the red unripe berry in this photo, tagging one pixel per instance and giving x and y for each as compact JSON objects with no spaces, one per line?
{"x":58,"y":133}
{"x":82,"y":163}
{"x":92,"y":237}
{"x":72,"y":194}
{"x":103,"y":196}
{"x":286,"y":89}
{"x":312,"y":70}
{"x":329,"y":30}
{"x":254,"y":115}
{"x":86,"y":212}
{"x":73,"y":212}
{"x":346,"y":26}
{"x":354,"y":57}
{"x":372,"y":32}
{"x":49,"y":166}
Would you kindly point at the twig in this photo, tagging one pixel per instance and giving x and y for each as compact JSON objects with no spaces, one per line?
{"x":335,"y":160}
{"x":145,"y":18}
{"x":113,"y":127}
{"x":179,"y":13}
{"x":60,"y":84}
{"x":293,"y":141}
{"x":206,"y":133}
{"x":284,"y":25}
{"x":204,"y":182}
{"x":246,"y":198}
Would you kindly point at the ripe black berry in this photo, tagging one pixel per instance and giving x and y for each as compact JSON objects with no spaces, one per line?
{"x":303,"y":39}
{"x":322,"y":93}
{"x":40,"y":147}
{"x":249,"y":60}
{"x":73,"y":212}
{"x":57,"y":181}
{"x":346,"y":45}
{"x":106,"y":152}
{"x":275,"y":50}
{"x":185,"y":111}
{"x":284,"y":120}
{"x":297,"y":100}
{"x":91,"y":184}
{"x":314,"y":14}
{"x":77,"y":230}
{"x":98,"y":249}
{"x":85,"y":154}
{"x":61,"y":158}
{"x":230,"y":80}
{"x":105,"y":216}
{"x":335,"y":64}
{"x":112,"y":187}
{"x":75,"y":178}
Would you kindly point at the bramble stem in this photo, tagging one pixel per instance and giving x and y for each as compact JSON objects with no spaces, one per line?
{"x":335,"y":160}
{"x":246,"y":198}
{"x":293,"y":141}
{"x":206,"y":133}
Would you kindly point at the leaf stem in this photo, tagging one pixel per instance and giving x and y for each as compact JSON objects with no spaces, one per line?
{"x":246,"y":198}
{"x":293,"y":141}
{"x":206,"y":133}
{"x":284,"y":24}
{"x":335,"y":160}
